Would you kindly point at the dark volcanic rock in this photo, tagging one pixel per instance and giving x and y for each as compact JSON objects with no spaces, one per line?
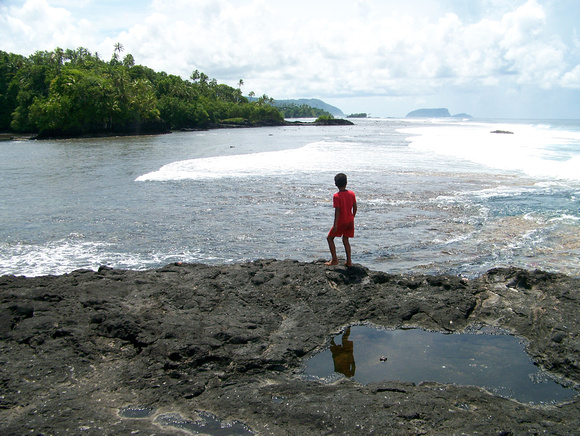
{"x":333,"y":122}
{"x":190,"y":341}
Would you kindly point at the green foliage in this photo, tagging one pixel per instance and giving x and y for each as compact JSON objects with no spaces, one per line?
{"x":74,"y":92}
{"x":358,"y":115}
{"x":331,"y":121}
{"x":10,"y":64}
{"x":324,"y":118}
{"x":293,"y":110}
{"x":237,"y":120}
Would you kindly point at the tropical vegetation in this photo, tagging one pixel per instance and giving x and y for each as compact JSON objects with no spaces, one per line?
{"x":293,"y":110}
{"x":329,"y":120}
{"x":75,"y":92}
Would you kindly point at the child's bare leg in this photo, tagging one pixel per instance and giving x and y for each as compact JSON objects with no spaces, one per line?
{"x":346,"y":243}
{"x":332,"y":247}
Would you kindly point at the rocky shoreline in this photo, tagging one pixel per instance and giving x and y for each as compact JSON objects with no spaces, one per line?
{"x":8,"y":136}
{"x":191,"y":347}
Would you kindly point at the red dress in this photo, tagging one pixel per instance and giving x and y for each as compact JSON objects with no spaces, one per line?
{"x":344,"y":200}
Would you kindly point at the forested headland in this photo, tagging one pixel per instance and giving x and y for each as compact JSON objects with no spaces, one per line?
{"x":67,"y":93}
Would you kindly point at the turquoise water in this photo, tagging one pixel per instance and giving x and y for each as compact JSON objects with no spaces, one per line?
{"x":431,"y":200}
{"x":497,"y":362}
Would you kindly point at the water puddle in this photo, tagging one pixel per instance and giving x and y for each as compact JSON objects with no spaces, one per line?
{"x":207,"y":423}
{"x":136,"y":412}
{"x":496,"y":362}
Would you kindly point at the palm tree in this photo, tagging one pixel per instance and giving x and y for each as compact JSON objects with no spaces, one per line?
{"x":59,"y":56}
{"x":129,"y":61}
{"x":239,"y":91}
{"x":70,"y":55}
{"x":118,"y":49}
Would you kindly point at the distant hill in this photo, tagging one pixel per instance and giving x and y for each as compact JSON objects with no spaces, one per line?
{"x":314,"y":102}
{"x":435,"y":113}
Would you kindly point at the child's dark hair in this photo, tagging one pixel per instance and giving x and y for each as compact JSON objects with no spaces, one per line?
{"x":340,"y":180}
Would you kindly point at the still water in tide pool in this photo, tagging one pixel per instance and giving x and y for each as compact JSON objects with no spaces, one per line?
{"x":430,"y":198}
{"x":206,"y":423}
{"x":495,"y":362}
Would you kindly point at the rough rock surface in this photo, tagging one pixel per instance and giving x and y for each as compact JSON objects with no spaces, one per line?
{"x":151,"y":352}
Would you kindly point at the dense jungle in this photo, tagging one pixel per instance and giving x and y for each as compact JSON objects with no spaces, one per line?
{"x":68,"y":93}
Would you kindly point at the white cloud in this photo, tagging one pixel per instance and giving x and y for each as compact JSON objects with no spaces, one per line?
{"x":356,"y":55}
{"x":38,"y":26}
{"x":317,"y":49}
{"x":572,"y":78}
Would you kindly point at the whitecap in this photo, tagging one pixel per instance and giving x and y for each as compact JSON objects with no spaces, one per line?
{"x":68,"y":254}
{"x":308,"y":158}
{"x":321,"y":156}
{"x":537,"y":151}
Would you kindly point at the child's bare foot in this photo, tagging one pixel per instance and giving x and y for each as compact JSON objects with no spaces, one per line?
{"x":331,"y":262}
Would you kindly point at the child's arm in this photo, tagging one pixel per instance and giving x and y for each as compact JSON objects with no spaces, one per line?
{"x":354,"y":209}
{"x":336,"y":215}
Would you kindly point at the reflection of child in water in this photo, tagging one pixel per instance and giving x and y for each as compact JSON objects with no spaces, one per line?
{"x":343,"y":355}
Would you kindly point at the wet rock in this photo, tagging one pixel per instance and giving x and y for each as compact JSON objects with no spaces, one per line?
{"x":77,"y":349}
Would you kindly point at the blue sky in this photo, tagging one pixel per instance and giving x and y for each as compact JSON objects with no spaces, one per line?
{"x":488,"y":58}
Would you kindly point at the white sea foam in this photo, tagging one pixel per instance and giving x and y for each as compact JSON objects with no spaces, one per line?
{"x":316,"y":157}
{"x":65,"y":255}
{"x":308,"y":158}
{"x":565,"y":217}
{"x":482,"y":194}
{"x":72,"y":253}
{"x":57,"y":257}
{"x":537,"y":151}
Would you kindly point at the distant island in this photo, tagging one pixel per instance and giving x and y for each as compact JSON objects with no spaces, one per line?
{"x":435,"y":113}
{"x":359,"y":115}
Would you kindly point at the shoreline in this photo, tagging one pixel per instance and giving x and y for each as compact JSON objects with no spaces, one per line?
{"x":9,"y":136}
{"x":187,"y":339}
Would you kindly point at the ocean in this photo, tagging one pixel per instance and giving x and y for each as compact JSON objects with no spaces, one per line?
{"x":434,"y":195}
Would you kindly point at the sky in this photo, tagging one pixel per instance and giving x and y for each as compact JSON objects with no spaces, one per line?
{"x":487,"y":58}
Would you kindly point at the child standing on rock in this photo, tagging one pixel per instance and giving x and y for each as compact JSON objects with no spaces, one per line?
{"x":344,"y":203}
